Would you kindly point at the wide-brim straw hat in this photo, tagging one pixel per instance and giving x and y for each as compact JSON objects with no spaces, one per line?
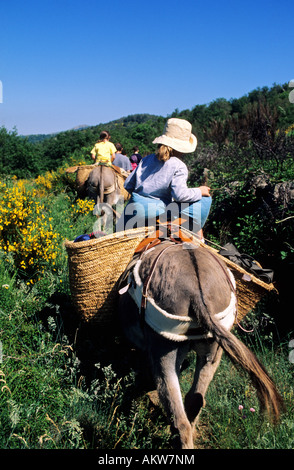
{"x":177,"y":134}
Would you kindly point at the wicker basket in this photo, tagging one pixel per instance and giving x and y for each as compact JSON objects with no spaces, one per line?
{"x":250,"y":289}
{"x":82,"y":175}
{"x":121,"y":180}
{"x":95,"y":267}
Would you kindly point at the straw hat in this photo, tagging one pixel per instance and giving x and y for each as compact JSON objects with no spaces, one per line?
{"x":177,"y":134}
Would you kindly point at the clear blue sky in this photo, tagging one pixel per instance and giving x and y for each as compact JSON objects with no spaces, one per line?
{"x":70,"y":62}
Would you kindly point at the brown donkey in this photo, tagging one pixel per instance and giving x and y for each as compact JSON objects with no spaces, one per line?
{"x":188,"y":303}
{"x":103,"y":187}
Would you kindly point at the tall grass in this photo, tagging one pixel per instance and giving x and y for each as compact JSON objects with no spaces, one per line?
{"x":232,"y":418}
{"x":62,"y":387}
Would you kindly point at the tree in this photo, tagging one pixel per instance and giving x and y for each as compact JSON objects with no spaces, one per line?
{"x":17,"y":155}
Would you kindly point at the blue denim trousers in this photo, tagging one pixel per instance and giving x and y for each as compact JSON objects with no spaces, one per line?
{"x":143,"y":211}
{"x":196,"y":212}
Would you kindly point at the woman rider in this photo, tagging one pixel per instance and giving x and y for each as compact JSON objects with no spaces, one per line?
{"x":159,"y":184}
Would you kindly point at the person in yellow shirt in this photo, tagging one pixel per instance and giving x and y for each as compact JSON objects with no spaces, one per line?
{"x":103,"y":151}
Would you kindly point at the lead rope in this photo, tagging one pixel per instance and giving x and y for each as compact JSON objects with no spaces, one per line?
{"x":243,"y":329}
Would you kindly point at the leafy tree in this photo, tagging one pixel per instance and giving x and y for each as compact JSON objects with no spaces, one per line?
{"x":17,"y":155}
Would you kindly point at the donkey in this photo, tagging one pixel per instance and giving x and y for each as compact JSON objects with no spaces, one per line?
{"x":179,"y":300}
{"x":99,"y":181}
{"x":102,"y":186}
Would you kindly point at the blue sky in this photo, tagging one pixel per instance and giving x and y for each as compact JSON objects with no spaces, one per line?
{"x":70,"y":62}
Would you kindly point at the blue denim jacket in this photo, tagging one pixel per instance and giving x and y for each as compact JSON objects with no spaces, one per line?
{"x":166,"y":181}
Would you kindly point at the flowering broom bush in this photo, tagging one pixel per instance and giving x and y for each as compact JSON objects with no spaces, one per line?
{"x":44,"y":182}
{"x":82,"y":207}
{"x":25,"y":231}
{"x":55,"y":182}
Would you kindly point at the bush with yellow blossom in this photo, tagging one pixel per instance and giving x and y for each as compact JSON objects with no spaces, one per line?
{"x":54,"y":182}
{"x":82,"y":207}
{"x":25,"y":231}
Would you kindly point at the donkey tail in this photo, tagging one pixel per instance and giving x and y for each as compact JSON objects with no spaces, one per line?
{"x":101,"y":185}
{"x":269,"y":398}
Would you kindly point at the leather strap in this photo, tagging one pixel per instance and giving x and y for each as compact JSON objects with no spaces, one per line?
{"x":147,"y":281}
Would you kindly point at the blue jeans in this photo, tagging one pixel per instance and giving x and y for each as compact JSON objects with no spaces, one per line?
{"x":143,"y":211}
{"x":196,"y":213}
{"x":140,"y":211}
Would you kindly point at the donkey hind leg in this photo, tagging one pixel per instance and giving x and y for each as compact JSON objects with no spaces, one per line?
{"x":209,"y":354}
{"x":166,"y":364}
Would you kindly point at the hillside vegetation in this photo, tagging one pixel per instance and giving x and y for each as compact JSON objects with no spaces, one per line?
{"x":65,"y":387}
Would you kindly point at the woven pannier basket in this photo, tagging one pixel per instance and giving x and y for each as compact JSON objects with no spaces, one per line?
{"x":95,"y":267}
{"x":249,"y":288}
{"x":121,"y":180}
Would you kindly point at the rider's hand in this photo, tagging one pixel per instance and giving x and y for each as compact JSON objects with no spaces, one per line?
{"x":204,"y":190}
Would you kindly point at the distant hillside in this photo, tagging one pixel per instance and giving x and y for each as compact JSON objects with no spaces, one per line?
{"x":34,"y":138}
{"x":80,"y":127}
{"x":133,"y":119}
{"x":258,"y":122}
{"x":124,"y":121}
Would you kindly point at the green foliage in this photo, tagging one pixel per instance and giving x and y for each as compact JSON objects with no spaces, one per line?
{"x":17,"y":155}
{"x":255,"y":122}
{"x":232,"y":418}
{"x":46,"y":400}
{"x":48,"y":397}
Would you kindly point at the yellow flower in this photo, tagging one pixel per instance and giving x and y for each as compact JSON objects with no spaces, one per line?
{"x":24,"y":229}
